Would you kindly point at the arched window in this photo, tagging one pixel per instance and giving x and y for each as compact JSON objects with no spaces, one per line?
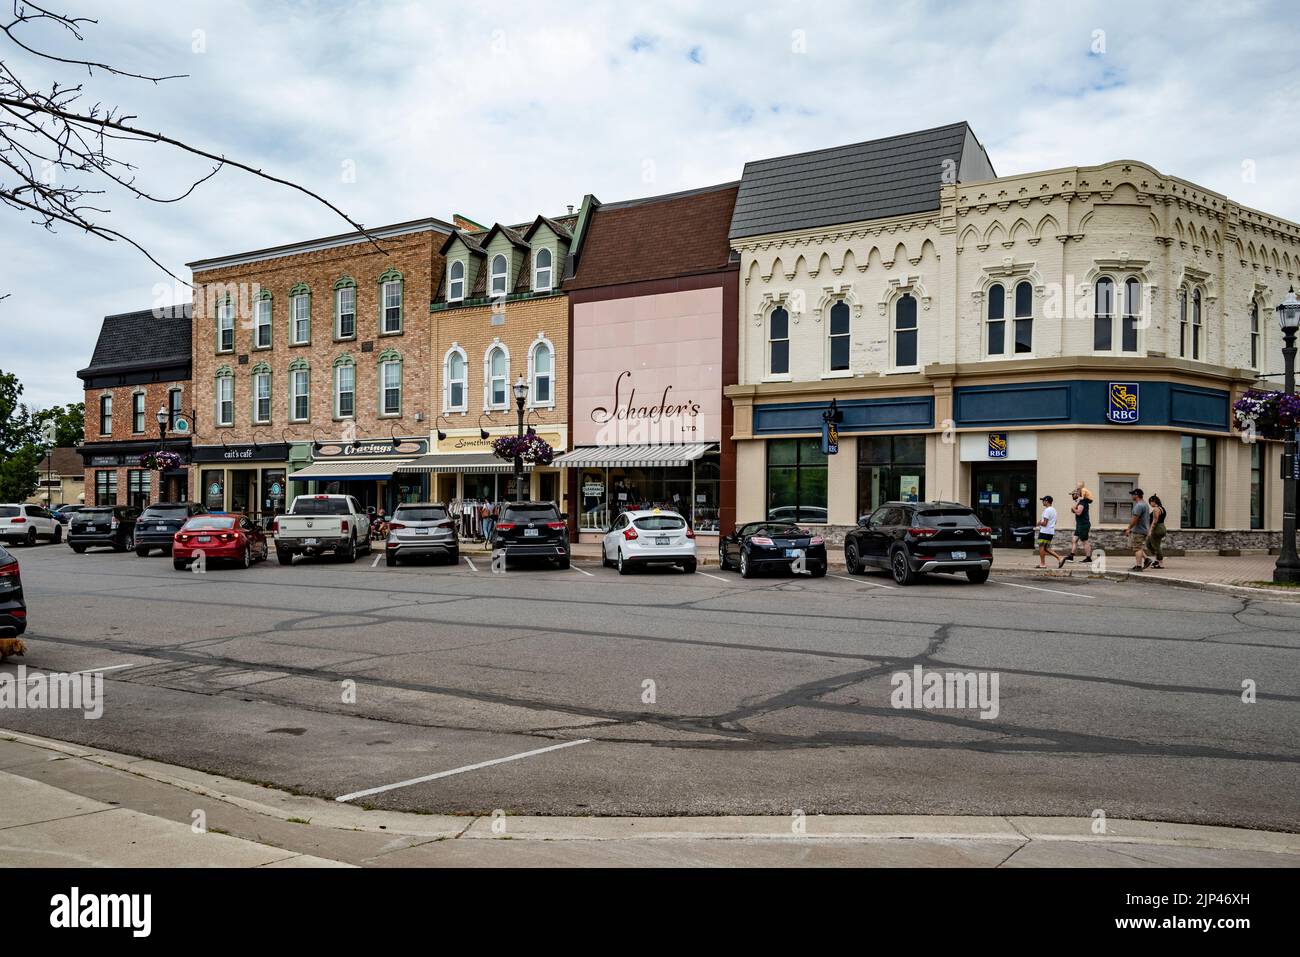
{"x":1024,"y":318}
{"x":905,"y":355}
{"x":837,"y":331}
{"x":299,"y":314}
{"x":226,"y":325}
{"x":390,"y":302}
{"x":1103,"y":316}
{"x":1196,"y":324}
{"x":542,"y":373}
{"x":456,"y":282}
{"x":261,"y":393}
{"x":455,"y":390}
{"x":225,"y":394}
{"x":1182,"y":323}
{"x":345,"y":308}
{"x":345,"y":387}
{"x":1254,"y":335}
{"x":778,"y":342}
{"x":299,"y":391}
{"x":499,"y":270}
{"x":996,"y":322}
{"x":542,"y":271}
{"x":262,"y":320}
{"x":390,"y":383}
{"x":497,"y":377}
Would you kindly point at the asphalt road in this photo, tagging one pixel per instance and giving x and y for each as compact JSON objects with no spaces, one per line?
{"x":769,"y":696}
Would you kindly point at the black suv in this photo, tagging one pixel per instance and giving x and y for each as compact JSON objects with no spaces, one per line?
{"x":912,"y":538}
{"x":532,"y":530}
{"x":112,"y":525}
{"x":13,"y":611}
{"x":158,"y":524}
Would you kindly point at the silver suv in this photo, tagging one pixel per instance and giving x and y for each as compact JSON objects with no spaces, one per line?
{"x":421,"y":528}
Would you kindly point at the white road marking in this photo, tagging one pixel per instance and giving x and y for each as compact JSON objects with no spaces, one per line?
{"x":717,"y":578}
{"x":1050,"y":591}
{"x":376,"y":561}
{"x":470,"y":562}
{"x":859,"y":581}
{"x":575,"y":568}
{"x":88,"y":671}
{"x":469,"y":767}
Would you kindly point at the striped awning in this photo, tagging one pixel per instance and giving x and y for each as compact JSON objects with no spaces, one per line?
{"x":596,"y":456}
{"x":329,"y":471}
{"x":463,"y":463}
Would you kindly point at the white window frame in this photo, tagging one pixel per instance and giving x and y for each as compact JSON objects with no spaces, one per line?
{"x":258,"y":378}
{"x":827,"y":371}
{"x":294,"y":394}
{"x":538,"y":269}
{"x":262,"y":320}
{"x":455,"y":294}
{"x":1122,"y":313}
{"x":225,"y":323}
{"x":768,"y":374}
{"x":538,"y":344}
{"x":1256,"y":345}
{"x":338,"y":313}
{"x":225,"y":382}
{"x":449,"y":380}
{"x":504,"y":275}
{"x":1198,"y":322}
{"x":383,"y":307}
{"x":1184,"y":320}
{"x":338,"y":390}
{"x":987,"y":322}
{"x":383,"y":388}
{"x":893,"y":332}
{"x":294,"y":318}
{"x":1010,"y":342}
{"x":488,"y":404}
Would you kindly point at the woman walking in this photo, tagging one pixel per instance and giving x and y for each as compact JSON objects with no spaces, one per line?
{"x":1156,"y":537}
{"x":1082,"y":524}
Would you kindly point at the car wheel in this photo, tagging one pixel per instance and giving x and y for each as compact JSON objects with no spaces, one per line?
{"x":852,"y":564}
{"x":180,"y":564}
{"x":390,"y":559}
{"x":819,"y":571}
{"x":58,"y":534}
{"x":350,"y":555}
{"x":746,"y":569}
{"x":564,"y":562}
{"x":284,"y":556}
{"x":623,"y":566}
{"x":722,"y":559}
{"x":604,"y":559}
{"x":79,"y":549}
{"x":247,"y":560}
{"x":901,"y":567}
{"x":141,"y":552}
{"x":455,"y":557}
{"x":977,"y":576}
{"x":689,"y":567}
{"x":31,"y":537}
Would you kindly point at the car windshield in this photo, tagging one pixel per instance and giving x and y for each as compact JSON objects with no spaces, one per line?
{"x":532,"y":513}
{"x":166,"y":511}
{"x":320,"y":506}
{"x":210,"y":521}
{"x":948,"y":517}
{"x":419,"y":514}
{"x":8,"y":511}
{"x":654,"y":523}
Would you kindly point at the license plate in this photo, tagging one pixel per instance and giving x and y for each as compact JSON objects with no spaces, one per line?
{"x":311,"y":541}
{"x":160,"y":528}
{"x":422,"y":531}
{"x":958,"y":556}
{"x":530,"y":533}
{"x":661,"y":540}
{"x":793,"y":552}
{"x":205,"y":538}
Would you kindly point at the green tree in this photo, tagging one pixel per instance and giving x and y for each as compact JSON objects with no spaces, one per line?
{"x":20,"y":456}
{"x":69,"y":423}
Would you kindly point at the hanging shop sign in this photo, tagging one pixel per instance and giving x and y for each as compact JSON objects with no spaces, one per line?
{"x":372,"y":449}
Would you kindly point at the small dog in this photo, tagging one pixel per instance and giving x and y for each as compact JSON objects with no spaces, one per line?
{"x":10,"y":647}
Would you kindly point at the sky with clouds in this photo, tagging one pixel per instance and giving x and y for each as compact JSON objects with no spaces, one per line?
{"x":399,"y":110}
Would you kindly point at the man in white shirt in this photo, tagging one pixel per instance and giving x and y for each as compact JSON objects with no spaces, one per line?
{"x":1046,"y":532}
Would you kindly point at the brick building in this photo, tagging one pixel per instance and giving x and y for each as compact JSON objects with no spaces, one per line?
{"x":313,"y":369}
{"x":140,"y":368}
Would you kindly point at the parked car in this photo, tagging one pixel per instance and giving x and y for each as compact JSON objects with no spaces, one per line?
{"x":316,"y":524}
{"x":159,"y":523}
{"x":111,"y":525}
{"x":913,"y":538}
{"x":421,"y":529}
{"x":648,"y":537}
{"x":13,"y":610}
{"x":532,"y":530}
{"x":787,"y":514}
{"x":64,"y":513}
{"x":761,"y":546}
{"x":24,"y":524}
{"x":229,"y":538}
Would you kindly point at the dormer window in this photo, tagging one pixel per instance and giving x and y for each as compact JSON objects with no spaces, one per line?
{"x":456,"y":282}
{"x":542,"y":271}
{"x":498,"y":274}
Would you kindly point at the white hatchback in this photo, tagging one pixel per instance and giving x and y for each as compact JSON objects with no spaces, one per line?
{"x":23,"y":524}
{"x":649,"y":537}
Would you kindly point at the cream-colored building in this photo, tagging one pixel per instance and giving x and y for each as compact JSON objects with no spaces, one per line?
{"x":994,"y":339}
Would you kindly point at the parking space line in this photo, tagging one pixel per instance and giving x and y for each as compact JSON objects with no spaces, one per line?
{"x":469,"y":561}
{"x":575,"y":568}
{"x":1050,"y":591}
{"x":859,"y":581}
{"x":469,"y":767}
{"x":716,"y":578}
{"x":376,"y":561}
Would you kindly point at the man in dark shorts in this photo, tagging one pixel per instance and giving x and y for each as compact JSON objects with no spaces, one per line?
{"x":1082,"y":525}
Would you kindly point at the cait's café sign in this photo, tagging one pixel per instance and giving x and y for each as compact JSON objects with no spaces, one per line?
{"x":372,"y":449}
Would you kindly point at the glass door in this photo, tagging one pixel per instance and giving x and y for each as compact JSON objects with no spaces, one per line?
{"x":1004,"y":498}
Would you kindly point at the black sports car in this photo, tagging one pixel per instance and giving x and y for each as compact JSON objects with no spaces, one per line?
{"x":758,"y":546}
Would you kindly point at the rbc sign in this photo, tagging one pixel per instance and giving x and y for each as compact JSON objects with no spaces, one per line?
{"x":1122,"y":402}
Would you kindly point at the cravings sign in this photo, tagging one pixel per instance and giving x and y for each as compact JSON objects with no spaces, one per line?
{"x":647,"y":370}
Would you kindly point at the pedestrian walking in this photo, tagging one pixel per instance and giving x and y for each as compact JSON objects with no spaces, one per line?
{"x":485,"y":522}
{"x":1139,"y":526}
{"x":1046,"y":532}
{"x":1082,"y":509}
{"x":1156,"y":537}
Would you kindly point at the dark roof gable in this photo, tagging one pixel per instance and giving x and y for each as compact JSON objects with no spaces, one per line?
{"x":894,"y":176}
{"x":142,"y":339}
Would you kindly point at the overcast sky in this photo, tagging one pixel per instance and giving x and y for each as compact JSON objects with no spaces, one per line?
{"x":502,"y":110}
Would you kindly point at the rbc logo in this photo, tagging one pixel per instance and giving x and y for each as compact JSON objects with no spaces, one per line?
{"x":997,"y":445}
{"x":1122,"y":402}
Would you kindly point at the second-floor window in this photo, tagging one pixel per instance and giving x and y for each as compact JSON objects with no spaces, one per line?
{"x":226,"y":326}
{"x":105,"y":415}
{"x":262,"y":396}
{"x":1254,"y":335}
{"x":225,"y":399}
{"x":1196,"y":324}
{"x":838,"y":333}
{"x":300,"y":318}
{"x":137,"y":412}
{"x":542,"y":392}
{"x":1024,"y":317}
{"x":345,"y":390}
{"x":996,"y":323}
{"x":262,"y":324}
{"x":1128,"y":334}
{"x":300,"y":394}
{"x":542,"y":271}
{"x":174,"y":399}
{"x":346,"y":311}
{"x":390,"y":380}
{"x":456,"y":282}
{"x":498,"y":369}
{"x":390,"y":296}
{"x":456,"y":366}
{"x":905,"y":351}
{"x":498,"y":274}
{"x":778,"y":342}
{"x":1182,"y":323}
{"x":1103,"y":316}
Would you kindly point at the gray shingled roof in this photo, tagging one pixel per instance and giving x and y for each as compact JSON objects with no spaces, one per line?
{"x":894,"y":176}
{"x":133,"y":338}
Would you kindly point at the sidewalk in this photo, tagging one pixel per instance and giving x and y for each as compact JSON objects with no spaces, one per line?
{"x":65,"y":805}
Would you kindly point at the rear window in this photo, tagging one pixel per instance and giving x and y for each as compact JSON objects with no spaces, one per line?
{"x":211,"y":521}
{"x":948,"y":517}
{"x":93,"y":514}
{"x":8,"y":511}
{"x":783,"y":530}
{"x":655,"y":523}
{"x":320,"y":506}
{"x":166,"y":511}
{"x":535,"y":513}
{"x":420,"y":514}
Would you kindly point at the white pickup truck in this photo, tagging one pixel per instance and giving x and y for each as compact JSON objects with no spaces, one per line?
{"x":316,"y":524}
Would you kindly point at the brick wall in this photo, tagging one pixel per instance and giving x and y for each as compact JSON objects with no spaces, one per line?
{"x":156,"y":395}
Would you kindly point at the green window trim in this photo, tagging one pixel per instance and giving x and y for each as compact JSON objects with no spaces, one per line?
{"x":344,"y":282}
{"x":222,"y":303}
{"x":259,"y":370}
{"x":297,"y":291}
{"x":345,"y":361}
{"x":390,"y":356}
{"x":392,"y":275}
{"x":223,"y":372}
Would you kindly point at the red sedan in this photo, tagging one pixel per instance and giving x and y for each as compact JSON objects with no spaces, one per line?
{"x":229,"y":538}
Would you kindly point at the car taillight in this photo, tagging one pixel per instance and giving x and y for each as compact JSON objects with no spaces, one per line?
{"x":394,"y":526}
{"x":275,"y":526}
{"x":113,"y":524}
{"x":505,"y":526}
{"x":343,"y":525}
{"x":629,"y":534}
{"x":922,"y":532}
{"x":9,"y":571}
{"x":761,"y":540}
{"x":17,"y":521}
{"x":690,"y":533}
{"x":557,"y":525}
{"x":182,"y":537}
{"x":439,"y":525}
{"x":228,"y":536}
{"x":984,"y":530}
{"x":817,"y":540}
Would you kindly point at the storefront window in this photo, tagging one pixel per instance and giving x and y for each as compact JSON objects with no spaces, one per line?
{"x":1198,"y":482}
{"x":796,"y":481}
{"x":1257,"y":486}
{"x":273,"y":489}
{"x":214,"y":490}
{"x":106,"y":488}
{"x":410,"y":487}
{"x":891,"y":468}
{"x":708,"y":484}
{"x":139,"y":484}
{"x":594,"y":514}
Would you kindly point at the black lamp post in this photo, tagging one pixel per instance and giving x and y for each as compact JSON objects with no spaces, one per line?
{"x":521,"y":394}
{"x":162,"y":437}
{"x":1287,"y":568}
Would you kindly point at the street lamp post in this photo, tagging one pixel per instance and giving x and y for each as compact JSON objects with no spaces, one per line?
{"x":1287,"y":568}
{"x":162,"y":438}
{"x":521,"y":394}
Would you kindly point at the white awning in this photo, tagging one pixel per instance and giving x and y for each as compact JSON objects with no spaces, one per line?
{"x":597,"y":456}
{"x":329,"y":471}
{"x":463,"y":463}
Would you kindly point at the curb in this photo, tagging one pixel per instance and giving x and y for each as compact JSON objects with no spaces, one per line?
{"x":271,"y":802}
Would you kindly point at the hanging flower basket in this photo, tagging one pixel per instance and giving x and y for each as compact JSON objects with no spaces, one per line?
{"x":530,"y":447}
{"x":1271,"y":415}
{"x":160,"y":461}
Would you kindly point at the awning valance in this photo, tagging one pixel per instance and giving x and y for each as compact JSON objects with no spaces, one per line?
{"x":464,"y":463}
{"x":329,"y":471}
{"x":615,"y":455}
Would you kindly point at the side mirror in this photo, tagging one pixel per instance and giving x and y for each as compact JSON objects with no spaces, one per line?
{"x":864,"y":520}
{"x":564,"y":516}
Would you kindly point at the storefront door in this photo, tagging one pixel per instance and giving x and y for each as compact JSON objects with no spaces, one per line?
{"x":1005,"y":499}
{"x":243,"y":491}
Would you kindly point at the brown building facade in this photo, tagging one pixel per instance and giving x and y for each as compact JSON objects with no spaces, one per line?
{"x":313,"y":369}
